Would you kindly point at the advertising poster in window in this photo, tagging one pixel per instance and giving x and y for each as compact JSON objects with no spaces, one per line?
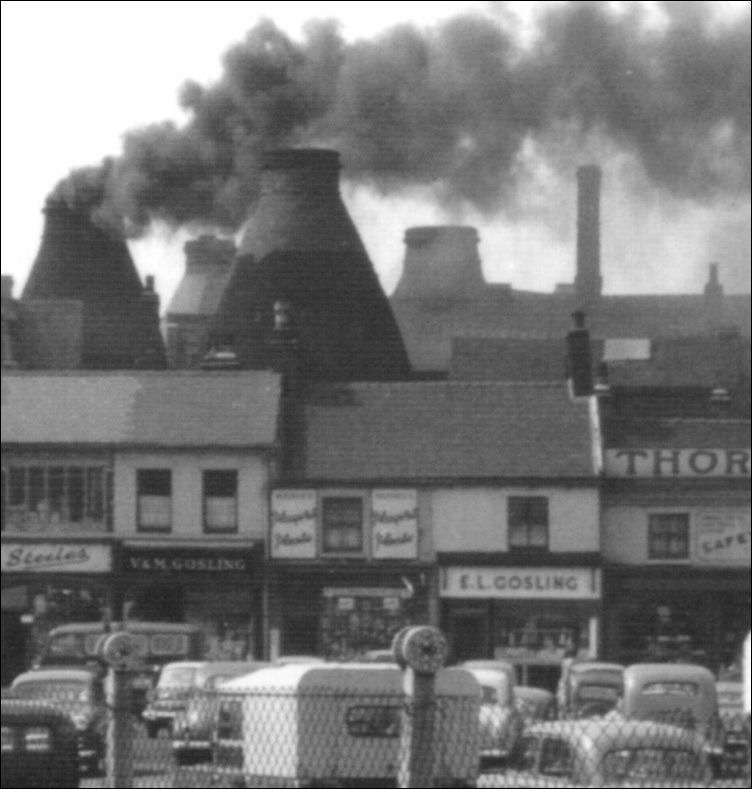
{"x":723,"y":536}
{"x":394,"y":518}
{"x":293,"y":524}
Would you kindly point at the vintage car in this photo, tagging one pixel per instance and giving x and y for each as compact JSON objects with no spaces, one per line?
{"x":535,"y":704}
{"x":338,"y":725}
{"x":79,"y":693}
{"x":193,"y":726}
{"x":608,"y":753}
{"x":494,"y":665}
{"x":501,"y":721}
{"x":590,"y":688}
{"x":679,"y":693}
{"x":39,"y":746}
{"x":736,"y":736}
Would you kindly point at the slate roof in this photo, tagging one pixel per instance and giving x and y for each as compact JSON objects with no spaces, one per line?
{"x":446,"y":430}
{"x":165,"y":409}
{"x":709,"y":361}
{"x":678,"y":433}
{"x":429,"y":325}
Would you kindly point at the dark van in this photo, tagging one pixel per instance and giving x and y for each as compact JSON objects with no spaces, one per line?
{"x":39,"y":746}
{"x":157,"y":643}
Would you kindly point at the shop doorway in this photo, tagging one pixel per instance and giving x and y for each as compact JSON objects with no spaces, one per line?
{"x":300,"y":634}
{"x":469,"y":635}
{"x":13,"y":646}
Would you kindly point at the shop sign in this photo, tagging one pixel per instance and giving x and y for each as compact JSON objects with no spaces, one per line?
{"x":61,"y":557}
{"x":394,"y":522}
{"x":560,"y":583}
{"x":723,"y":536}
{"x":661,"y":463}
{"x":180,"y":561}
{"x":293,"y":524}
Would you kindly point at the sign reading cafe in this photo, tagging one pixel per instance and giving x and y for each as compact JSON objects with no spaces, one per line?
{"x":394,"y":518}
{"x":293,"y":524}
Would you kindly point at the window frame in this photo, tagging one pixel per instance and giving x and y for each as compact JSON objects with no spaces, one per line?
{"x":680,"y":518}
{"x":209,"y":528}
{"x":326,"y":500}
{"x":146,"y":528}
{"x":528,"y":525}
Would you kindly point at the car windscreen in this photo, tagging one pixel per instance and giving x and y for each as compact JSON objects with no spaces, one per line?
{"x":177,"y":676}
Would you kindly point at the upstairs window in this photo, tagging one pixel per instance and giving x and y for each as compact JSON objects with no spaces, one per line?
{"x":668,"y":536}
{"x":154,"y":492}
{"x":342,"y":525}
{"x":221,"y":501}
{"x":527,"y":517}
{"x":42,"y":496}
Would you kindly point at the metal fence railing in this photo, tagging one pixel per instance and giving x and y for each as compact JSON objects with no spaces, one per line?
{"x":317,"y":737}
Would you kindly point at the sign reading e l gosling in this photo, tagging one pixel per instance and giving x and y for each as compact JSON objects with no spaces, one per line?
{"x":293,"y":524}
{"x":661,"y":463}
{"x":561,"y":583}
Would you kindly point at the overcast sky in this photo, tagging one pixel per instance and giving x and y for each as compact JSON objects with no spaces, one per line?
{"x":78,"y":76}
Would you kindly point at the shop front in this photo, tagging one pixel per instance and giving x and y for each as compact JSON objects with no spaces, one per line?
{"x":347,"y":571}
{"x":689,"y":599}
{"x":219,"y":589}
{"x":531,"y":616}
{"x":49,"y":582}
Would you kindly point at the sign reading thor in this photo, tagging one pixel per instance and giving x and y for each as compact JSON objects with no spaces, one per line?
{"x":677,"y":462}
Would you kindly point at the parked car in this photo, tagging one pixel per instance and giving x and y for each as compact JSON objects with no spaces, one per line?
{"x":79,"y":694}
{"x":337,"y":724}
{"x":75,"y":644}
{"x":39,"y":746}
{"x":736,"y":736}
{"x":193,"y":727}
{"x":679,"y":693}
{"x":170,"y":696}
{"x":590,"y":688}
{"x":501,"y":721}
{"x":535,"y":704}
{"x":608,"y":753}
{"x":494,"y":665}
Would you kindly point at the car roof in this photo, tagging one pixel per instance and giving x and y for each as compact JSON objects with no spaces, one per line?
{"x":669,"y":672}
{"x":595,"y":665}
{"x":488,"y":676}
{"x":533,"y":693}
{"x":56,"y":675}
{"x":214,"y":667}
{"x":133,"y":627}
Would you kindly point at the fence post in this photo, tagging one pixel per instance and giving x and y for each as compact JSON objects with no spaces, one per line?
{"x":421,"y":652}
{"x":118,"y":650}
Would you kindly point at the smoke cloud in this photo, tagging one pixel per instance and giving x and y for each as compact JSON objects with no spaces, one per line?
{"x":453,"y":108}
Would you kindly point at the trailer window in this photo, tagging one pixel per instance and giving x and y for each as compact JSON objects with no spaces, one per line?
{"x":373,"y":721}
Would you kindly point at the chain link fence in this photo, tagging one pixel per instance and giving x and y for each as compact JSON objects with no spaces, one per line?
{"x":321,"y":738}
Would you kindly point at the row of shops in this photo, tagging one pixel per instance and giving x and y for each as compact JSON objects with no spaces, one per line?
{"x":530,"y":615}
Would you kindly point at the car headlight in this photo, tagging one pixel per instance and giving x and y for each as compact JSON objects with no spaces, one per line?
{"x":80,"y":720}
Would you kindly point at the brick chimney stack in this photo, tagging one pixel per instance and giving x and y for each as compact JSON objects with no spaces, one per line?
{"x":579,"y":358}
{"x":588,"y":282}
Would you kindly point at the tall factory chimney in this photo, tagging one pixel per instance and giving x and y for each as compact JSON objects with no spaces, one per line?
{"x":301,"y":247}
{"x":588,"y":283}
{"x":441,"y":262}
{"x":81,"y":262}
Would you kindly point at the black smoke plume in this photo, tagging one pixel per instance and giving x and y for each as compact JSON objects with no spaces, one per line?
{"x":450,"y":107}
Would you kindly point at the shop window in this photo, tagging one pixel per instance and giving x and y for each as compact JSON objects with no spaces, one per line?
{"x":668,"y":536}
{"x":342,"y":524}
{"x":221,"y":501}
{"x":154,"y":492}
{"x":528,"y":523}
{"x":43,"y":497}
